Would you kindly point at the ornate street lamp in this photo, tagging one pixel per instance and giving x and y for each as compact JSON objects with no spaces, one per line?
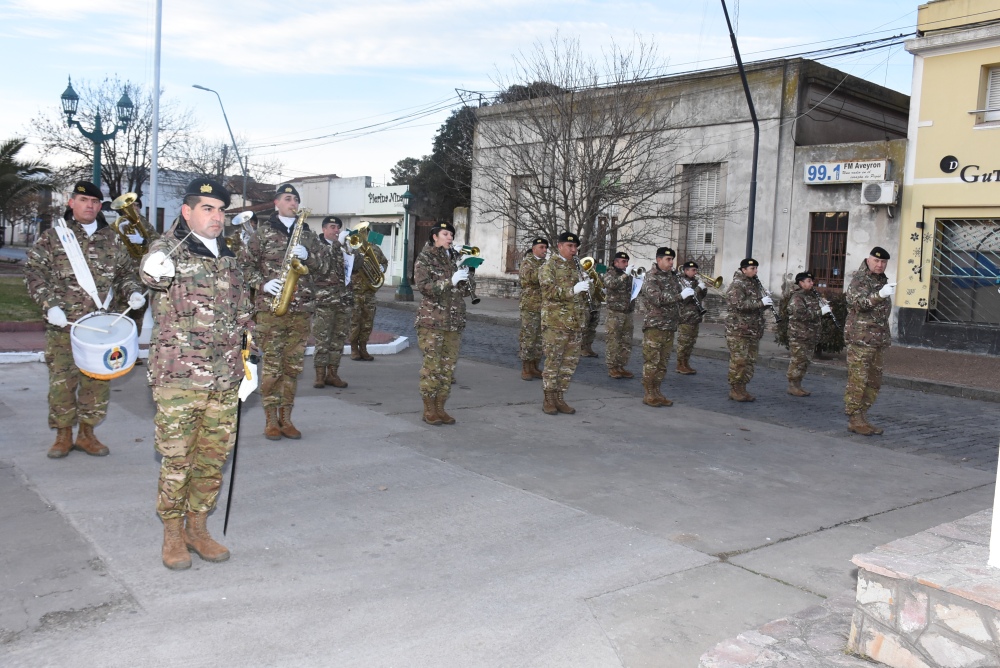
{"x":126,"y":114}
{"x":404,"y":293}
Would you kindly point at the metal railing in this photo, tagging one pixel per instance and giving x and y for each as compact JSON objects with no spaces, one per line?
{"x":965,"y":274}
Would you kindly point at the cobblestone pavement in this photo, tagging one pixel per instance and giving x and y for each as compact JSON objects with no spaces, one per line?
{"x":959,"y":431}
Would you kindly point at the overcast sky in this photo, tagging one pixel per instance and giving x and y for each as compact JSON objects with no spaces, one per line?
{"x":298,"y":69}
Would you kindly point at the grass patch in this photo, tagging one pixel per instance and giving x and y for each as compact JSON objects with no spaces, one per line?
{"x":15,"y":305}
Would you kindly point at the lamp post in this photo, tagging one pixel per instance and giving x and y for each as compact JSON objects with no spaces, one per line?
{"x":231,"y":137}
{"x":126,"y":113}
{"x":404,"y":293}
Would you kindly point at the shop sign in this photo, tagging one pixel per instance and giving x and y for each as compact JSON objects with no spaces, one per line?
{"x":852,"y":171}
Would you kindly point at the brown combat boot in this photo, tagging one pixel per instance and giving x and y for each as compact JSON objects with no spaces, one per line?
{"x":878,"y":431}
{"x":174,"y":554}
{"x":63,"y":444}
{"x":87,"y":441}
{"x":549,"y":403}
{"x":430,"y":411}
{"x":526,"y":371}
{"x":747,"y":395}
{"x":535,"y":371}
{"x":649,"y":398}
{"x":659,"y":395}
{"x":200,"y":542}
{"x":320,"y":381}
{"x":355,"y":353}
{"x":859,"y":425}
{"x":625,"y":373}
{"x":363,"y":349}
{"x":684,"y":368}
{"x":587,"y":351}
{"x":614,"y":372}
{"x":439,"y":401}
{"x":272,"y":431}
{"x":738,"y":392}
{"x":333,"y":377}
{"x":561,"y":404}
{"x":795,"y":389}
{"x":288,"y":429}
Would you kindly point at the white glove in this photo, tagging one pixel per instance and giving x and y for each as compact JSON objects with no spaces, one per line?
{"x":460,"y":275}
{"x":582,"y":286}
{"x":300,"y":252}
{"x":888,"y":290}
{"x":135,"y":238}
{"x":57,"y":317}
{"x":766,"y":300}
{"x":157,"y":265}
{"x":687,"y":292}
{"x":136,"y":300}
{"x":248,"y":385}
{"x":342,"y":236}
{"x":273,"y":287}
{"x":826,"y":310}
{"x":702,"y":286}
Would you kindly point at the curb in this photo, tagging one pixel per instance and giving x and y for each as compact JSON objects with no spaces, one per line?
{"x":397,"y":345}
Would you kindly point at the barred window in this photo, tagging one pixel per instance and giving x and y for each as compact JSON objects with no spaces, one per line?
{"x":965,"y":273}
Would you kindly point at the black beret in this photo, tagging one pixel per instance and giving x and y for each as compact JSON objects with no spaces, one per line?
{"x":803,"y":275}
{"x":880,"y":253}
{"x":286,"y":188}
{"x":569,"y":236}
{"x":332,"y":220}
{"x":203,"y":187}
{"x":664,"y":251}
{"x":87,"y":188}
{"x":539,"y":240}
{"x":442,"y":226}
{"x":622,"y":255}
{"x":690,"y":264}
{"x":748,"y":262}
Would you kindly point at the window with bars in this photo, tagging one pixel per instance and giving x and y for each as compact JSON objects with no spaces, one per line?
{"x":697,"y":239}
{"x":965,"y":273}
{"x":828,"y":248}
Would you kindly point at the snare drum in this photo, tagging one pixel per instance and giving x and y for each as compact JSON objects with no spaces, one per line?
{"x":104,"y":356}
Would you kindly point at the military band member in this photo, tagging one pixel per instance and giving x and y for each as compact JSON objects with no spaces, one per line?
{"x":363,"y":316}
{"x":334,"y":298}
{"x":201,"y":308}
{"x":747,"y":302}
{"x":531,"y":308}
{"x":869,"y":304}
{"x":281,"y":339}
{"x":590,"y":331}
{"x":691,"y":317}
{"x":662,"y":295}
{"x":53,"y":284}
{"x":441,"y":318}
{"x":618,"y":324}
{"x":805,"y":325}
{"x":564,"y":316}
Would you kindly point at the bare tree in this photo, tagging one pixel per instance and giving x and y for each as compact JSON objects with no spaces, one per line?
{"x":585,"y":145}
{"x":216,"y":158}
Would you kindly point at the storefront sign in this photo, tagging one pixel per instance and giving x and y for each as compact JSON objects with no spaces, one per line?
{"x":387,"y":200}
{"x":833,"y":173}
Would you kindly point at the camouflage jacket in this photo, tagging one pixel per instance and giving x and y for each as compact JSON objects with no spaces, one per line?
{"x":618,"y":288}
{"x":329,"y":286}
{"x":661,"y":299}
{"x":867,"y":313}
{"x":359,"y":284}
{"x":199,"y":316}
{"x":261,"y":259}
{"x":531,"y":291}
{"x":49,"y":275}
{"x":805,"y":318}
{"x":745,"y":316}
{"x":561,"y":309}
{"x":443,"y":304}
{"x":689,"y":308}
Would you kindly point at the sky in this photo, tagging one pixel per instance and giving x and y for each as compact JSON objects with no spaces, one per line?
{"x":302,"y":69}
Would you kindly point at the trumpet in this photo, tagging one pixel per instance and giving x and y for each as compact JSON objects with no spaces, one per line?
{"x":636,"y":272}
{"x":711,"y":282}
{"x":584,"y":277}
{"x":589,"y":267}
{"x":370,"y":268}
{"x":134,"y":224}
{"x":470,"y":251}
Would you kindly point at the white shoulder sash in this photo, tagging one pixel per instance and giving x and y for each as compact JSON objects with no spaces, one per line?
{"x":81,"y":269}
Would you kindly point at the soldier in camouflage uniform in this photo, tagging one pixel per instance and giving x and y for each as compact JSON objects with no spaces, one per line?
{"x":363,"y":317}
{"x":531,"y":309}
{"x":201,"y":308}
{"x":869,"y":304}
{"x":441,"y":318}
{"x":73,"y":396}
{"x":334,"y":299}
{"x":746,"y":302}
{"x":691,"y":317}
{"x":618,"y":325}
{"x":590,"y":332}
{"x":805,"y":324}
{"x":662,"y":296}
{"x":564,"y":315}
{"x":282,"y":339}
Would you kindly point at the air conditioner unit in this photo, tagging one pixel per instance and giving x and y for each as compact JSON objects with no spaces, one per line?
{"x":878,"y":192}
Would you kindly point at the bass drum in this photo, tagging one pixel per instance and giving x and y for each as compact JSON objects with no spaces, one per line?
{"x":108,"y":354}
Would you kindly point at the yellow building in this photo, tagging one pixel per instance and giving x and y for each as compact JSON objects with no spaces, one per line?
{"x":949,"y":261}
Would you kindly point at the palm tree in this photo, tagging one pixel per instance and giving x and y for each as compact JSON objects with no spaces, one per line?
{"x":18,"y":178}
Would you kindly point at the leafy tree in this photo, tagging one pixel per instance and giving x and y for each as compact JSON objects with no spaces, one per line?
{"x":19,"y":179}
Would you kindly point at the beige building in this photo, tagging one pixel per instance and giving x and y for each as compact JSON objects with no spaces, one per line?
{"x":948,"y":266}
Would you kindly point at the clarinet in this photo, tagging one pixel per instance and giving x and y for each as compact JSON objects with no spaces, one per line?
{"x":693,"y":284}
{"x":764,"y":293}
{"x":832,"y":314}
{"x":585,"y":277}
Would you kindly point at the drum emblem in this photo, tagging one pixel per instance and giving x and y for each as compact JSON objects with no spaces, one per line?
{"x":115,"y":358}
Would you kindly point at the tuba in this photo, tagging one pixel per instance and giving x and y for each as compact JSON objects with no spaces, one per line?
{"x":371,"y":270}
{"x":589,"y":267}
{"x":134,"y":223}
{"x":291,"y":267}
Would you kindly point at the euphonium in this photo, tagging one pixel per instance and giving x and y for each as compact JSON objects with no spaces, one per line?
{"x":371,"y":270}
{"x":291,"y":267}
{"x":589,"y":267}
{"x":136,"y":225}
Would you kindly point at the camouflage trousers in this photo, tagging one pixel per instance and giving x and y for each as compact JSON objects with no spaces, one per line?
{"x":282,"y":343}
{"x":562,"y":353}
{"x":864,"y":377}
{"x":619,"y":330}
{"x":531,"y":334}
{"x":801,"y":351}
{"x":363,"y":317}
{"x":440,"y":351}
{"x":73,"y":396}
{"x":687,"y":336}
{"x":195,"y":430}
{"x":656,"y":347}
{"x":742,"y":358}
{"x":590,"y":331}
{"x":330,"y":327}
